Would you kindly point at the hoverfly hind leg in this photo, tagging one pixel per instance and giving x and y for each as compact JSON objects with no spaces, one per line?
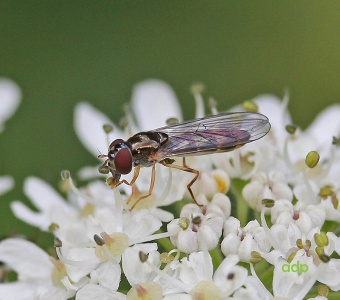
{"x":185,"y":168}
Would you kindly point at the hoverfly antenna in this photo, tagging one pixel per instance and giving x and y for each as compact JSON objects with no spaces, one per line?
{"x":101,"y":155}
{"x":104,"y":168}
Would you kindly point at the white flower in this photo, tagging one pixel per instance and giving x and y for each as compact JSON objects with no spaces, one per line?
{"x":199,"y":228}
{"x":115,"y":232}
{"x":192,"y":275}
{"x":39,"y":277}
{"x":285,"y":152}
{"x":196,"y":273}
{"x":149,"y":277}
{"x":313,"y":248}
{"x":306,"y":217}
{"x":242,"y":241}
{"x":90,"y":211}
{"x":219,"y":204}
{"x":131,"y":262}
{"x":262,"y":186}
{"x":52,"y":208}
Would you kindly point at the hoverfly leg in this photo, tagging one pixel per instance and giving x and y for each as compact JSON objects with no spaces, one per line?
{"x":135,"y":176}
{"x":152,"y":184}
{"x":186,"y":169}
{"x":184,"y":163}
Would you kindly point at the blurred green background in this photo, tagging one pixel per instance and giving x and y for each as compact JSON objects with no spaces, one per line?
{"x":62,"y":52}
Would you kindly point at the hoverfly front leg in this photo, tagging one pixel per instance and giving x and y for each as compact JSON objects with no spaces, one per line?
{"x":168,"y":163}
{"x":111,"y":182}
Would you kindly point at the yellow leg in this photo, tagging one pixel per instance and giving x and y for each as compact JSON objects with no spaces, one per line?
{"x":135,"y":176}
{"x":186,"y":169}
{"x":152,"y":184}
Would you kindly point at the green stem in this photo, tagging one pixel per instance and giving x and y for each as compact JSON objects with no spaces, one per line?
{"x":242,"y":208}
{"x":217,"y":257}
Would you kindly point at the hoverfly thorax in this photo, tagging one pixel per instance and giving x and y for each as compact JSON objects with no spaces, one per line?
{"x":119,"y":158}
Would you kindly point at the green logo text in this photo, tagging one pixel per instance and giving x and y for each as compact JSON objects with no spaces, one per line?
{"x":297,"y":267}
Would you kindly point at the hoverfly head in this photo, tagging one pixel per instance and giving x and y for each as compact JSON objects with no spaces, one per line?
{"x":119,"y":159}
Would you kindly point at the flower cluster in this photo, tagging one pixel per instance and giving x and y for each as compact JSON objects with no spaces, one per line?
{"x":265,"y":227}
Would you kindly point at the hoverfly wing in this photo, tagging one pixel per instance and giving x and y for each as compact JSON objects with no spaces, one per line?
{"x":216,"y":133}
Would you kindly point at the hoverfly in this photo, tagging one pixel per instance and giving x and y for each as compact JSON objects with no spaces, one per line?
{"x":212,"y":134}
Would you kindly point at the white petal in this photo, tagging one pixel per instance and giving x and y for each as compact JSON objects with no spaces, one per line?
{"x":331,"y":275}
{"x":108,"y":275}
{"x":17,"y":291}
{"x":230,"y":244}
{"x":221,"y":204}
{"x":27,"y":259}
{"x":232,"y":225}
{"x":10,"y":96}
{"x":254,"y":289}
{"x":153,"y":102}
{"x":88,"y":124}
{"x":6,"y":183}
{"x":228,"y":266}
{"x":285,"y":238}
{"x":288,"y":284}
{"x":273,"y":108}
{"x":326,"y":125}
{"x":161,"y":214}
{"x":197,"y":267}
{"x":147,"y":224}
{"x":282,"y":212}
{"x":97,"y":292}
{"x":52,"y":292}
{"x":211,"y":231}
{"x":41,"y":194}
{"x":85,"y":255}
{"x":187,"y":241}
{"x":88,"y":173}
{"x":331,"y":213}
{"x":109,"y":221}
{"x":22,"y":212}
{"x":131,"y":263}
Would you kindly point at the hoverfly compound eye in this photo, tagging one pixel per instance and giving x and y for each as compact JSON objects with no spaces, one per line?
{"x":123,"y":160}
{"x":114,"y":143}
{"x":113,"y":147}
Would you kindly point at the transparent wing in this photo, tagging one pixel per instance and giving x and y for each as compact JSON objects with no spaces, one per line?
{"x":216,"y":133}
